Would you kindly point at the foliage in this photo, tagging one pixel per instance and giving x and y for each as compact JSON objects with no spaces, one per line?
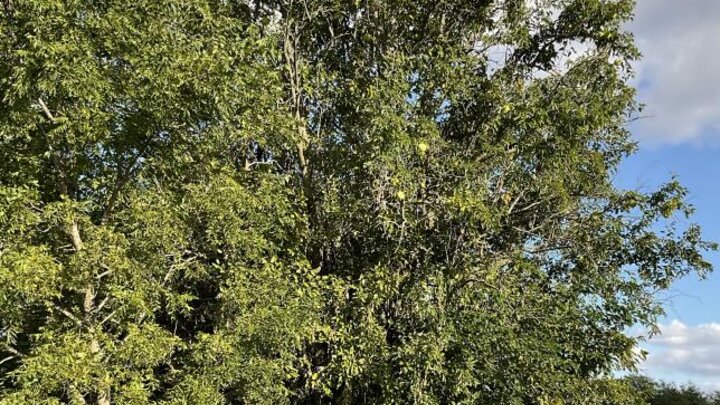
{"x":661,"y":393}
{"x":324,"y":201}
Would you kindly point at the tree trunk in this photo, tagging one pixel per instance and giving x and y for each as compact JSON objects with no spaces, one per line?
{"x":103,"y":394}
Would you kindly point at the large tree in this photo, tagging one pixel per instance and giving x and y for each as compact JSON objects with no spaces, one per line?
{"x":324,"y":201}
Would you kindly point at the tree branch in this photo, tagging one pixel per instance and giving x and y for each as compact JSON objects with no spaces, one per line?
{"x":68,"y":314}
{"x":45,"y":108}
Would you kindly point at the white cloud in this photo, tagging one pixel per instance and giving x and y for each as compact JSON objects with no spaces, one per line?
{"x":677,"y":334}
{"x":686,"y":353}
{"x":679,"y":75}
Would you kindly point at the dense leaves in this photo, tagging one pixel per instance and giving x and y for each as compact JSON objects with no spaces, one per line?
{"x":661,"y":393}
{"x":324,"y":201}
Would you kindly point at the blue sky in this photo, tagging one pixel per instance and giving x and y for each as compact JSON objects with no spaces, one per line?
{"x":679,"y":81}
{"x":694,"y":301}
{"x":689,"y":348}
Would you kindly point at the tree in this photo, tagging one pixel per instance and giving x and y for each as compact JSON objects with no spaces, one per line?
{"x":661,"y":393}
{"x":687,"y":395}
{"x":324,"y":201}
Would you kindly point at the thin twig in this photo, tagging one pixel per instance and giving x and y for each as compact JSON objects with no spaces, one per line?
{"x":107,"y":318}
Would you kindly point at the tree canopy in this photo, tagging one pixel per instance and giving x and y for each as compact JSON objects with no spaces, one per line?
{"x":324,"y":201}
{"x":662,"y":393}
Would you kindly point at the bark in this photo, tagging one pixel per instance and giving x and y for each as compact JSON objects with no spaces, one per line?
{"x":73,"y":231}
{"x":103,"y":394}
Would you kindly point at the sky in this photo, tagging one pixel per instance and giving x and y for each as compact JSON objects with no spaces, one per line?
{"x":679,"y":81}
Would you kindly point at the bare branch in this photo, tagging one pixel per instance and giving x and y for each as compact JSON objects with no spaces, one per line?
{"x":68,"y":314}
{"x":102,"y":304}
{"x":107,"y":318}
{"x":46,"y":110}
{"x":12,"y":350}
